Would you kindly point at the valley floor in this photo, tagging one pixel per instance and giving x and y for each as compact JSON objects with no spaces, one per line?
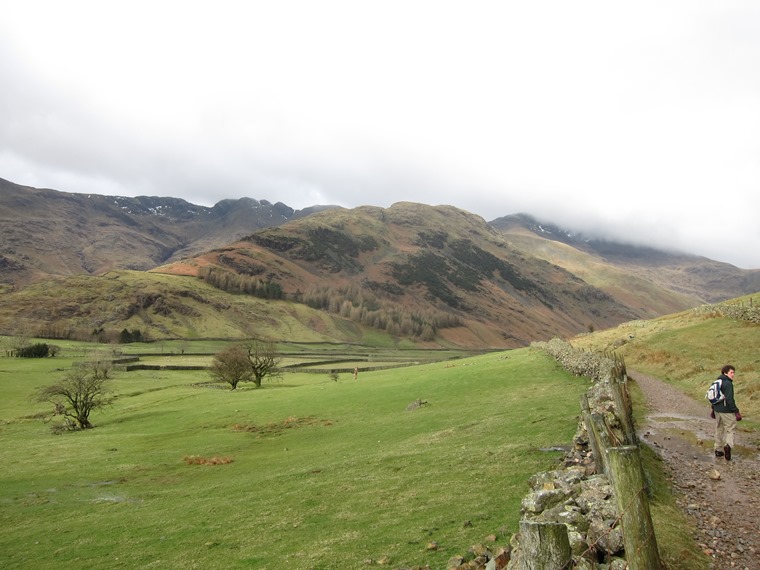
{"x":725,"y":512}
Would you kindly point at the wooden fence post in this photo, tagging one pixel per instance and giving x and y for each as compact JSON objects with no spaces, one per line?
{"x":619,"y":389}
{"x":633,"y":505}
{"x":603,"y":442}
{"x":544,"y":546}
{"x":592,"y":438}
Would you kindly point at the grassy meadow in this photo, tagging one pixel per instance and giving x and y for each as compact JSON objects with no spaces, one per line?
{"x":304,"y":473}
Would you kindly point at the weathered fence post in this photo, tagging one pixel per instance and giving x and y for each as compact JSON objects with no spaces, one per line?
{"x":619,"y":388}
{"x":544,"y":546}
{"x":633,"y":505}
{"x":601,"y":433}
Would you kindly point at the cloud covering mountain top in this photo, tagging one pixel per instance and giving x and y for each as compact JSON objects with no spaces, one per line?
{"x":638,"y":121}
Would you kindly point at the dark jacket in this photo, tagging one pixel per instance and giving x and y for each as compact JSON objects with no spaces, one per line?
{"x":727,"y":406}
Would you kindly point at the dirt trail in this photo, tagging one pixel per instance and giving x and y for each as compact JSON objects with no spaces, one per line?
{"x":725,"y":512}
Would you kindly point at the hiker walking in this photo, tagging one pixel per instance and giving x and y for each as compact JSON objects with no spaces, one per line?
{"x":727,"y":414}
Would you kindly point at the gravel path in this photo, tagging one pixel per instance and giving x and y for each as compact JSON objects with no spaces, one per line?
{"x":725,"y":511}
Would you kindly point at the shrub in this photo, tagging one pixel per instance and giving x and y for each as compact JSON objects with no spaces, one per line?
{"x":39,"y":350}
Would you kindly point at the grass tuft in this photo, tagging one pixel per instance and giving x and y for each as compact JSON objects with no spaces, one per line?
{"x":198,"y":460}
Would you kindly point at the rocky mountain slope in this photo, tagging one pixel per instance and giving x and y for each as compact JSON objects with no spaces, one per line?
{"x":637,"y":274}
{"x":429,"y":274}
{"x":46,"y":232}
{"x":420,"y":271}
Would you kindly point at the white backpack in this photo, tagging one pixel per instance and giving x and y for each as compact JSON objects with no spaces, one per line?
{"x":714,"y":393}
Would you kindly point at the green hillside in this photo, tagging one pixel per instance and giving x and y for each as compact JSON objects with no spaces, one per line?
{"x":303,"y":473}
{"x":165,"y":307}
{"x":688,"y":349}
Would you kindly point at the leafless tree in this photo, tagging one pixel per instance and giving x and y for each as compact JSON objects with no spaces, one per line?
{"x":231,"y":365}
{"x":264,"y":360}
{"x":100,"y":364}
{"x":249,"y":362}
{"x":82,"y":390}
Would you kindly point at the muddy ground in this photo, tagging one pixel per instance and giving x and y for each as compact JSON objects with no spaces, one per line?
{"x":721,"y":498}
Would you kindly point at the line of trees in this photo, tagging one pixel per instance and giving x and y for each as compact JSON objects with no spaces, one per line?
{"x":63,"y":331}
{"x":363,"y":306}
{"x":353,"y":302}
{"x":126,"y":336}
{"x":234,"y":283}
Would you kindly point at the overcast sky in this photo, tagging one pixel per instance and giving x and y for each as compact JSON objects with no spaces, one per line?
{"x":639,"y":119}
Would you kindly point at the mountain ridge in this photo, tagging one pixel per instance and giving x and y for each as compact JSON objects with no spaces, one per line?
{"x":46,"y":232}
{"x":701,"y":279}
{"x":427,"y":273}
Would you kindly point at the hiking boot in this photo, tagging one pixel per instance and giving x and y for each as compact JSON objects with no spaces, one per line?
{"x":718,"y":453}
{"x":727,"y":450}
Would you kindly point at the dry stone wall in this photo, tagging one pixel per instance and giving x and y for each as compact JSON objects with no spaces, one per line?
{"x":576,"y":495}
{"x":732,"y":310}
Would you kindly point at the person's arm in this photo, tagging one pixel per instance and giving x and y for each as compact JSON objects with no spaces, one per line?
{"x":728,"y":391}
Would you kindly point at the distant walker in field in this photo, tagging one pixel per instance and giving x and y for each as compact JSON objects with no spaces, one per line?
{"x":726,"y":413}
{"x":356,"y":372}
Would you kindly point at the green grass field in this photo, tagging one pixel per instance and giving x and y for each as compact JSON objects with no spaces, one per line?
{"x":311,"y":473}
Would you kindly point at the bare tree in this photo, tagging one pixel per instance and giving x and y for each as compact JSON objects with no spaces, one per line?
{"x":263,"y":359}
{"x":82,"y":390}
{"x":231,"y":365}
{"x":20,"y":342}
{"x":100,"y":364}
{"x":249,"y":362}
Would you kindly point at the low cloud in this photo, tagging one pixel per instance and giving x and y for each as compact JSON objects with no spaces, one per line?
{"x":638,"y":121}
